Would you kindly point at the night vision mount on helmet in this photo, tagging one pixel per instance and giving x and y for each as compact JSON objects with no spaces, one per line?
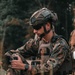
{"x":42,"y":16}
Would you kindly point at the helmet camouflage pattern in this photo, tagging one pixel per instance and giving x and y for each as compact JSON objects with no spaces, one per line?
{"x":43,"y":15}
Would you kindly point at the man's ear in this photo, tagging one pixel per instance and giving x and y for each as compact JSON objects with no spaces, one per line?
{"x":48,"y":25}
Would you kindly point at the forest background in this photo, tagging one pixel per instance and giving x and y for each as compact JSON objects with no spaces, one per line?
{"x":14,"y":16}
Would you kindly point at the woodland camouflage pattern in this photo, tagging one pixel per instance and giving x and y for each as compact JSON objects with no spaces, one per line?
{"x":47,"y":55}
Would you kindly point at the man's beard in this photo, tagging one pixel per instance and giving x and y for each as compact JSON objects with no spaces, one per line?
{"x":42,"y":35}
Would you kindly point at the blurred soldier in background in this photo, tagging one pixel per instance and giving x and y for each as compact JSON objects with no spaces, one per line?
{"x":72,"y":35}
{"x":72,"y":46}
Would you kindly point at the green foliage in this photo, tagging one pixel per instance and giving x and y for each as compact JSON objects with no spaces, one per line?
{"x":22,"y":9}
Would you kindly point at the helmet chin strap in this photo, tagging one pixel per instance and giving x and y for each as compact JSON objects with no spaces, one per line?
{"x":45,"y":32}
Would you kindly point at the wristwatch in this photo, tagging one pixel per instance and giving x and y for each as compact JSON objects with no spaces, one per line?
{"x":26,"y":67}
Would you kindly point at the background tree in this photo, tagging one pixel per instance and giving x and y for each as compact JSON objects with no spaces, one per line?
{"x":22,"y":10}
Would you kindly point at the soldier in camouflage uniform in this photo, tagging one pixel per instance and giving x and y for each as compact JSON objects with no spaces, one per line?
{"x":48,"y":49}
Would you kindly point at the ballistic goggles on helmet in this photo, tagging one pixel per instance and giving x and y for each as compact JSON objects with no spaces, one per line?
{"x":41,"y":17}
{"x":37,"y":23}
{"x":38,"y":26}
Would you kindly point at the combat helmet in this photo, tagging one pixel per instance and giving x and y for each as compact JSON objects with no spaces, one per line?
{"x":42,"y":16}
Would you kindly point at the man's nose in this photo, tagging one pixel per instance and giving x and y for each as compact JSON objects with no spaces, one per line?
{"x":35,"y":31}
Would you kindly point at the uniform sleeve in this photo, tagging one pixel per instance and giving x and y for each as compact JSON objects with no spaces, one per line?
{"x":29,"y":49}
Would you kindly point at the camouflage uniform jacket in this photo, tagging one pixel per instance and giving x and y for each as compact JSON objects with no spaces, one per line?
{"x":51,"y":54}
